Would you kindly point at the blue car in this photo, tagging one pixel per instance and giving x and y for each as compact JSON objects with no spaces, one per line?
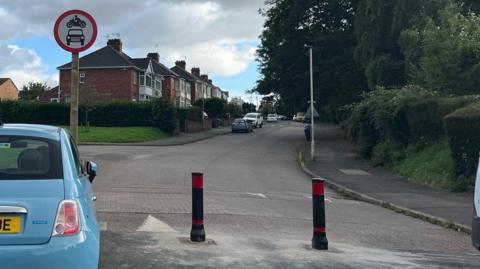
{"x":47,"y":210}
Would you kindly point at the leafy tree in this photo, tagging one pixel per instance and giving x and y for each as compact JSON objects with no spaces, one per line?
{"x":248,"y":107}
{"x":32,"y":90}
{"x":214,"y":107}
{"x":88,"y":96}
{"x":444,"y":55}
{"x":233,"y":110}
{"x":327,"y":26}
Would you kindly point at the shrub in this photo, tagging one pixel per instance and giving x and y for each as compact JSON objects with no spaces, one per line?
{"x":163,"y":115}
{"x":425,"y":117}
{"x":380,"y":116}
{"x":35,"y":112}
{"x":463,"y":131}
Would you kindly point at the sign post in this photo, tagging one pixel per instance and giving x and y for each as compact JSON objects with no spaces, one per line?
{"x":75,"y":31}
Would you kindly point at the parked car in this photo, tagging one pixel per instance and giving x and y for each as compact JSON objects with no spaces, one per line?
{"x":476,"y":212}
{"x":241,"y":125}
{"x":256,"y":119}
{"x":282,"y":117}
{"x":272,"y":118}
{"x":47,"y":206}
{"x":300,"y":117}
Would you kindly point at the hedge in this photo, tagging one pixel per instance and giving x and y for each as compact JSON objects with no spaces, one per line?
{"x":158,"y":112}
{"x":425,"y":117}
{"x":463,"y":132}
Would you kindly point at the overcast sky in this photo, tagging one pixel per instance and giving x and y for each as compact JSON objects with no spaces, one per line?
{"x":219,"y":36}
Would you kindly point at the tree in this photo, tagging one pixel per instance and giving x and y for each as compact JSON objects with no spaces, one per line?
{"x":233,"y":110}
{"x":88,"y":96}
{"x":248,"y":107}
{"x":32,"y":90}
{"x":327,"y":26}
{"x":214,"y":107}
{"x":444,"y":55}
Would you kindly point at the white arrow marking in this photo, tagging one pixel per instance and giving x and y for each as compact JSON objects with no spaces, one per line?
{"x":152,"y":224}
{"x":257,"y":194}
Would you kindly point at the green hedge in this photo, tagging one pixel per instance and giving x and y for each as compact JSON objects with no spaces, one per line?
{"x":463,"y":131}
{"x":159,"y":113}
{"x":425,"y":117}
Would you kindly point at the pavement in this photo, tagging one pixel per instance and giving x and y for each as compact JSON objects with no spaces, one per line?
{"x":258,"y":211}
{"x":180,"y":139}
{"x":336,"y":161}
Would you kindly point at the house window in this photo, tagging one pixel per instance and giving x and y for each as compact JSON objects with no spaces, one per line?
{"x":53,"y":100}
{"x":157,"y":83}
{"x":149,"y":81}
{"x":68,"y":99}
{"x":142,"y":79}
{"x":82,"y":77}
{"x":135,"y":78}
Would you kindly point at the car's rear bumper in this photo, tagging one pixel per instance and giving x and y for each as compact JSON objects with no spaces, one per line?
{"x":80,"y":251}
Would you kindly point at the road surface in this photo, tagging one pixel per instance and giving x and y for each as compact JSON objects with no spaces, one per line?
{"x":257,"y":211}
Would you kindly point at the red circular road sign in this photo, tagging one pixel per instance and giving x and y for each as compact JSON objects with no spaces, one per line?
{"x":75,"y":30}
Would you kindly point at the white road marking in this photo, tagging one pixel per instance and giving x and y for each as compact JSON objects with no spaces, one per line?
{"x":103,"y":226}
{"x":354,"y":172}
{"x":142,"y":156}
{"x":257,"y":194}
{"x":152,"y":224}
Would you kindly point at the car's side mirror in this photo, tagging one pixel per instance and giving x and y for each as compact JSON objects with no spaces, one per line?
{"x":91,"y":170}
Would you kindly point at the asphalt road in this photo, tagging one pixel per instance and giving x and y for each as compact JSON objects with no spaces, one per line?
{"x":257,"y":211}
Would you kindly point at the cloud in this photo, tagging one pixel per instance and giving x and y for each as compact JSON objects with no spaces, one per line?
{"x":218,"y":35}
{"x":23,"y":66}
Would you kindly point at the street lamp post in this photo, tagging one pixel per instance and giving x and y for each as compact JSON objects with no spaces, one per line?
{"x":312,"y":143}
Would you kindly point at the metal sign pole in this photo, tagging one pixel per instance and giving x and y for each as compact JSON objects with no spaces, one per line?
{"x":74,"y":85}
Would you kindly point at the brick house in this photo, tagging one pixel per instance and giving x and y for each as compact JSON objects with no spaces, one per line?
{"x":8,"y":90}
{"x":110,"y":71}
{"x":189,"y":85}
{"x":52,"y":95}
{"x":170,"y":78}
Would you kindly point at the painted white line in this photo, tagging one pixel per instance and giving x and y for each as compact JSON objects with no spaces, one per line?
{"x":354,"y":172}
{"x":152,"y":224}
{"x":142,"y":156}
{"x":257,"y":194}
{"x":103,"y":226}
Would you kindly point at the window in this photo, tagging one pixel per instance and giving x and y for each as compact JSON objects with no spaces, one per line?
{"x":24,"y":157}
{"x":157,"y":83}
{"x":68,"y":99}
{"x":149,"y":81}
{"x":82,"y":77}
{"x":142,"y":79}
{"x":76,"y":157}
{"x":135,"y":78}
{"x":54,"y":100}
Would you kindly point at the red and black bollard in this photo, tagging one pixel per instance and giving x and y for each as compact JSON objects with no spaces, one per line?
{"x":319,"y":240}
{"x":198,"y":231}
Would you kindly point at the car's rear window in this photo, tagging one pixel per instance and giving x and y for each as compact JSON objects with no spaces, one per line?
{"x":250,"y":115}
{"x":239,"y":121}
{"x":29,"y":158}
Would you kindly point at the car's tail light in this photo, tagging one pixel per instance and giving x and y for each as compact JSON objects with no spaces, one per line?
{"x":67,"y":221}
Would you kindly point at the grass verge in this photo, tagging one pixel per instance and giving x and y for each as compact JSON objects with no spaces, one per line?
{"x":120,"y":134}
{"x":433,"y":166}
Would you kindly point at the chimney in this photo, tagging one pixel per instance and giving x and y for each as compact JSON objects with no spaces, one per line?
{"x":204,"y":77}
{"x":196,"y":71}
{"x":116,"y":44}
{"x":182,"y":64}
{"x":154,"y":56}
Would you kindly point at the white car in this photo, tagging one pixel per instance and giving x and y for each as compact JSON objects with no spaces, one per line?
{"x":272,"y":118}
{"x":255,"y":119}
{"x":476,"y":212}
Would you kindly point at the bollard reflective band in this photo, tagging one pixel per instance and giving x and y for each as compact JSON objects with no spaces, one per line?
{"x":197,"y":180}
{"x":318,"y":187}
{"x":197,"y":222}
{"x":319,"y":229}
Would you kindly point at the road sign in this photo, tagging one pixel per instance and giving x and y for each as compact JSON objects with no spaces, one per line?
{"x":75,"y":30}
{"x":308,"y":114}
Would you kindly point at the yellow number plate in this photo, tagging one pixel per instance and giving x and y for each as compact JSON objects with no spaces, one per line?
{"x":9,"y":225}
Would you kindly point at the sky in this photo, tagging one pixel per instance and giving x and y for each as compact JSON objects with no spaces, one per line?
{"x":219,"y":36}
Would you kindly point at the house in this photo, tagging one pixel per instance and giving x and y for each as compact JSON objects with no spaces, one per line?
{"x":189,"y":85}
{"x":110,"y":71}
{"x":170,"y":78}
{"x":51,"y":96}
{"x":8,"y":90}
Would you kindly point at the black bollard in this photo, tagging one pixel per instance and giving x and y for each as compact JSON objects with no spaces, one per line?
{"x":198,"y":231}
{"x":319,"y":240}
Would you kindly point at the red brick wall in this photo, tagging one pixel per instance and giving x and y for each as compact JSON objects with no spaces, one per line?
{"x":118,"y":83}
{"x":168,"y":88}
